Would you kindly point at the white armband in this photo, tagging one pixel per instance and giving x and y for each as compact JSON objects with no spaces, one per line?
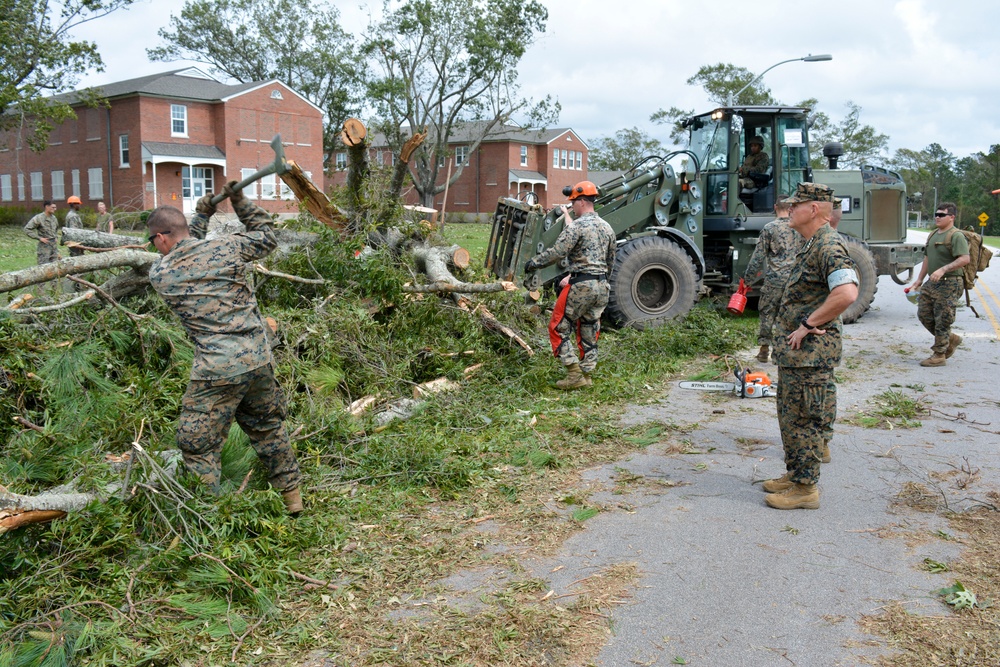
{"x":842,"y":277}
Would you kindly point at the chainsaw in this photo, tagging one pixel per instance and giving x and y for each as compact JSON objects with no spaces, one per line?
{"x":747,"y":385}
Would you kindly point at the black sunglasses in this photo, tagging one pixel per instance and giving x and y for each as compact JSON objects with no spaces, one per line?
{"x":158,"y":234}
{"x":941,"y":214}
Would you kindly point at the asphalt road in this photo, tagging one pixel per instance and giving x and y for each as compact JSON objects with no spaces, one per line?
{"x":727,"y":581}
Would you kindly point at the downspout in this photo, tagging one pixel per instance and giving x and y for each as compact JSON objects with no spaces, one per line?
{"x":479,"y":164}
{"x":111,"y":183}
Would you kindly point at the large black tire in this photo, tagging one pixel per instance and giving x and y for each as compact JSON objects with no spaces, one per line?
{"x":864,"y":263}
{"x":653,"y":282}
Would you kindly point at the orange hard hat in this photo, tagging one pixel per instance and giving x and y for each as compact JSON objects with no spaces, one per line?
{"x":74,"y":200}
{"x":581,"y":189}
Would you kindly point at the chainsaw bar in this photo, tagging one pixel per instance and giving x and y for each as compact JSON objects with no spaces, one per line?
{"x":708,"y":386}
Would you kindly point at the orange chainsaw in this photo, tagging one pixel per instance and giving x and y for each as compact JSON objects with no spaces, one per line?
{"x":747,"y":385}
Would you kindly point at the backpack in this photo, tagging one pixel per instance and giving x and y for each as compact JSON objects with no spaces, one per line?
{"x":979,"y":259}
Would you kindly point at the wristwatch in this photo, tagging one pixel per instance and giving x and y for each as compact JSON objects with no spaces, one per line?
{"x":805,"y":323}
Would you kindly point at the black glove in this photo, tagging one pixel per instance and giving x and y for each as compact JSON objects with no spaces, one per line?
{"x":530,"y":266}
{"x":235,"y":196}
{"x":205,"y":206}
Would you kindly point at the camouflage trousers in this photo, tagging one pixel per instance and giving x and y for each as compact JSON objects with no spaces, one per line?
{"x":47,"y":252}
{"x":767,"y":308}
{"x":936,"y":309}
{"x":807,"y":408}
{"x":257,"y":403}
{"x":578,"y":311}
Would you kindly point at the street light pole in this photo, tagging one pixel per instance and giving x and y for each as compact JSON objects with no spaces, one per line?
{"x":935,"y":198}
{"x":805,"y":59}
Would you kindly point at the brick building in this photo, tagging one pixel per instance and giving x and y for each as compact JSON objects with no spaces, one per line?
{"x":509,"y":162}
{"x":166,"y":139}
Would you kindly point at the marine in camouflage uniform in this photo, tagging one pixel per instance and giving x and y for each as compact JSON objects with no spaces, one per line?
{"x":755,"y":162}
{"x":821,"y":285}
{"x":771,"y":263}
{"x":74,"y":221}
{"x":588,"y":243}
{"x":105,"y":221}
{"x":232,"y":377}
{"x":45,"y":228}
{"x":946,"y":252}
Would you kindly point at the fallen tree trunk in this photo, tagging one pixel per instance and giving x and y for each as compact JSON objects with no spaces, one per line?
{"x":92,"y":239}
{"x":44,"y":273}
{"x":314,"y":201}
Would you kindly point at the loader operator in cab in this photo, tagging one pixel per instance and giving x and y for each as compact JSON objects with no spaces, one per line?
{"x":756,"y":162}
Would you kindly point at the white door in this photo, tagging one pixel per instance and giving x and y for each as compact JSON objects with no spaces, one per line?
{"x":196,"y":182}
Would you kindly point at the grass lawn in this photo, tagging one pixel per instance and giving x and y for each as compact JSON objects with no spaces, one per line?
{"x":17,"y":251}
{"x":472,"y":236}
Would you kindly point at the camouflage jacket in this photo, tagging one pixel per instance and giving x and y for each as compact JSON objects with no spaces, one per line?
{"x":755,"y":164}
{"x":204,"y":283}
{"x":42,"y":226}
{"x":73,"y":220}
{"x":104,"y":221}
{"x":588,"y":243}
{"x":805,"y":291}
{"x":774,"y":255}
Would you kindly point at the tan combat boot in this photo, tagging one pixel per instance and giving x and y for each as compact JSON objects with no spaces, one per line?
{"x":825,"y":455}
{"x":797,"y":497}
{"x":934,"y":360}
{"x":778,"y":485}
{"x":293,"y":501}
{"x":762,"y":354}
{"x":574,"y":380}
{"x":954,"y":340}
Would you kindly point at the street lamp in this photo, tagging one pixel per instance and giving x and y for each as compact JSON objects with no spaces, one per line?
{"x":805,"y":59}
{"x":935,"y":198}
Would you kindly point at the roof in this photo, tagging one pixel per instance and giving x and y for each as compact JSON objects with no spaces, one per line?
{"x":523,"y":175}
{"x":183,"y":150}
{"x":467,"y":132}
{"x":188,"y":83}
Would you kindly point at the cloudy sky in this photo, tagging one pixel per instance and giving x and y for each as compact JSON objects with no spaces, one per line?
{"x":922,"y":71}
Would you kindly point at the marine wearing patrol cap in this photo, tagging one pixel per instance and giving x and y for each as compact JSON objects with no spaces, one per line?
{"x":812,"y":192}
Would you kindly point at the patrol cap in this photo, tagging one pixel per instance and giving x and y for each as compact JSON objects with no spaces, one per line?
{"x":837,"y":201}
{"x":811,"y":192}
{"x":757,"y":140}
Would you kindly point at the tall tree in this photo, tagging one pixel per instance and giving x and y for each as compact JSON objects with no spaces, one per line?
{"x":929,"y":172}
{"x":863,"y":144}
{"x":436,"y":64}
{"x":297,"y":42}
{"x":625,"y":149}
{"x":979,"y":175}
{"x":41,"y":58}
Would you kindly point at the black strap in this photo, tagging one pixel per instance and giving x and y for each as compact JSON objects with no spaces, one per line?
{"x":575,"y":278}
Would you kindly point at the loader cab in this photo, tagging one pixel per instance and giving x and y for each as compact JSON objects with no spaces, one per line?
{"x":722,"y":142}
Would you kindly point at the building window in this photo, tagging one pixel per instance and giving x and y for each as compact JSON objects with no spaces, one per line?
{"x":276,"y":95}
{"x":122,"y":150}
{"x":461,"y":155}
{"x":562,"y":159}
{"x":267,"y":187}
{"x":555,"y":158}
{"x":37,"y":189}
{"x":58,"y":186}
{"x":250,"y":190}
{"x":178,"y":120}
{"x":20,"y":186}
{"x":95,"y":179}
{"x":284,"y":191}
{"x":341,"y":161}
{"x":75,"y":182}
{"x":197,"y":181}
{"x":6,"y":192}
{"x":524,"y":156}
{"x":579,"y":160}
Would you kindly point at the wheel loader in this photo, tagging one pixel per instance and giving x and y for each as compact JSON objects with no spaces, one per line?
{"x":687,"y":223}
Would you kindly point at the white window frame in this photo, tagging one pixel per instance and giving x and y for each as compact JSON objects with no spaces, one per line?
{"x":58,"y":185}
{"x":579,"y":160}
{"x":6,"y":191}
{"x":562,"y":159}
{"x":268,"y":189}
{"x":178,"y":114}
{"x":20,"y":186}
{"x":123,"y":153}
{"x":555,"y":158}
{"x":340,"y":161}
{"x":95,"y":183}
{"x":37,"y":186}
{"x":461,"y":155}
{"x":524,"y":156}
{"x":75,"y":180}
{"x":250,"y":190}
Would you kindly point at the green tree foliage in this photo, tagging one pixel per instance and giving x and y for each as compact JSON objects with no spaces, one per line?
{"x":978,"y":176}
{"x":863,"y":144}
{"x":298,"y":42}
{"x":625,"y":149}
{"x":930,"y":176}
{"x":41,"y":58}
{"x":435,"y":64}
